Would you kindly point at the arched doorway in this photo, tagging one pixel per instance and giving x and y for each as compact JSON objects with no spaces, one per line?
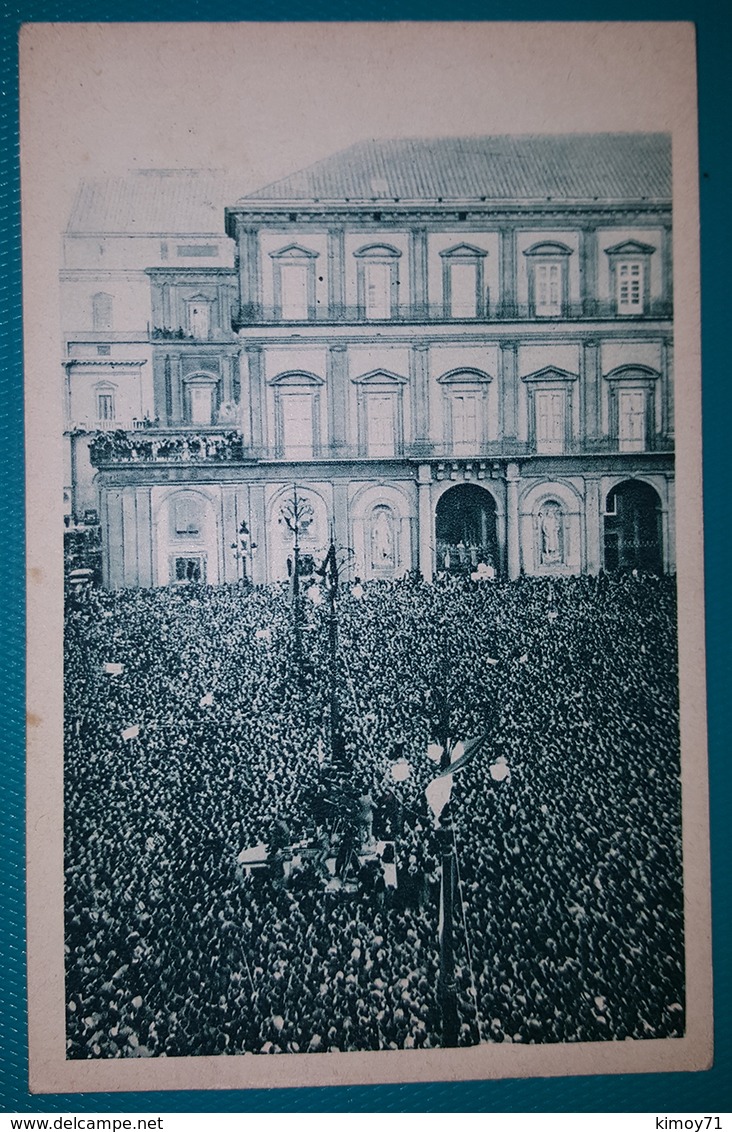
{"x":633,"y":538}
{"x":465,"y":522}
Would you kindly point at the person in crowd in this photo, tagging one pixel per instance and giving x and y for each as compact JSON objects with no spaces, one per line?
{"x":202,"y":741}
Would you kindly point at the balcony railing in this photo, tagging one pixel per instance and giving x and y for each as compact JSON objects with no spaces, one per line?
{"x":188,"y":445}
{"x":256,"y":315}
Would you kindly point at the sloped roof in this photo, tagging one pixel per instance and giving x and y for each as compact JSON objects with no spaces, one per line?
{"x":160,"y":201}
{"x":581,"y":167}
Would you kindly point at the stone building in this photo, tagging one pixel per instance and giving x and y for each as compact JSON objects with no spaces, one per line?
{"x":452,"y":351}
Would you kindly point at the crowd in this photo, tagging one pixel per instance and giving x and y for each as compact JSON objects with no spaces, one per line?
{"x":207,"y":741}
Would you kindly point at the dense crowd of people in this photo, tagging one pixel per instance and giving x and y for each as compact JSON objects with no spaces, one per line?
{"x":194,"y":731}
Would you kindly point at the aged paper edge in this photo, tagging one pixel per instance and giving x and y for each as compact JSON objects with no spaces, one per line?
{"x":49,"y":1071}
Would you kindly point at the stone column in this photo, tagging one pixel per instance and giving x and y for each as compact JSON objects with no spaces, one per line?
{"x":145,"y":568}
{"x":667,"y":388}
{"x":509,"y":388}
{"x":337,"y":393}
{"x":513,"y":546}
{"x":669,"y":539}
{"x":176,"y":389}
{"x":420,"y":388}
{"x":418,"y":281}
{"x":259,"y":534}
{"x":667,"y":265}
{"x":226,"y":379}
{"x":425,"y":521}
{"x":341,"y":524}
{"x":593,"y":533}
{"x":249,"y":285}
{"x":588,"y":271}
{"x":336,"y":272}
{"x":256,"y":398}
{"x":507,"y":304}
{"x":590,"y":388}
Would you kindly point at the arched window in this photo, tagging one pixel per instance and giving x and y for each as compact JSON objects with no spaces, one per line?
{"x":378,"y":281}
{"x":297,"y":415}
{"x":548,"y":279}
{"x":102,"y":314}
{"x":462,"y":282}
{"x":465,"y":395}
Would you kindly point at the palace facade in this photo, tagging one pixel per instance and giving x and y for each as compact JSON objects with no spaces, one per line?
{"x":451,"y":352}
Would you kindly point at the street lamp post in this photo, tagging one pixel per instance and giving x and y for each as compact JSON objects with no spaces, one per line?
{"x":243,"y":549}
{"x":297,"y":515}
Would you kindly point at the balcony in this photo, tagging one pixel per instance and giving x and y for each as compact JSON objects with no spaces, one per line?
{"x":256,"y":315}
{"x":154,"y":445}
{"x":188,"y":445}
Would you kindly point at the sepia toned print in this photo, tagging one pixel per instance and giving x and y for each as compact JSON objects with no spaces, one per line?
{"x":371,"y":639}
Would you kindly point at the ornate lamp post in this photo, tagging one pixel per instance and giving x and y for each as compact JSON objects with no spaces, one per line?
{"x":243,"y":549}
{"x":297,"y":514}
{"x":453,"y":756}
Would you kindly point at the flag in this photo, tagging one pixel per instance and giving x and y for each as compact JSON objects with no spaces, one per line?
{"x":490,"y":660}
{"x":207,"y":700}
{"x":438,"y":793}
{"x":462,"y":753}
{"x":114,"y":669}
{"x":523,"y":658}
{"x":552,"y":615}
{"x":131,"y":732}
{"x":263,"y":634}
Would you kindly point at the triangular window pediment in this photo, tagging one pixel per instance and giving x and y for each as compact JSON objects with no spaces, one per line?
{"x":294,"y":251}
{"x":380,"y":377}
{"x":630,"y":247}
{"x":550,"y":374}
{"x":465,"y":251}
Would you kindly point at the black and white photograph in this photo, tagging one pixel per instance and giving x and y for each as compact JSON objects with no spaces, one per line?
{"x":367,"y":690}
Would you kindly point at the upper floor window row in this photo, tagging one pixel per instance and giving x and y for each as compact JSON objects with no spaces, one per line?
{"x":299,"y":285}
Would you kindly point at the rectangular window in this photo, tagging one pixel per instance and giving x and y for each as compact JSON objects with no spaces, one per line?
{"x":296,"y":415}
{"x":381,"y":430}
{"x":463,"y":290}
{"x":550,"y":420}
{"x":465,"y":408}
{"x":201,"y":404}
{"x":188,"y":570}
{"x":294,"y":291}
{"x":548,"y":288}
{"x":187,"y":518}
{"x":202,"y":250}
{"x":105,"y":407}
{"x":631,"y":420}
{"x":377,"y":290}
{"x":630,"y":288}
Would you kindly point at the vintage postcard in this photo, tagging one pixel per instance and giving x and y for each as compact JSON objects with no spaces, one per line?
{"x":366,"y":656}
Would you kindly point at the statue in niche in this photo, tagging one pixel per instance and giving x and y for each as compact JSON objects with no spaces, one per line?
{"x":550,"y":534}
{"x":382,"y":540}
